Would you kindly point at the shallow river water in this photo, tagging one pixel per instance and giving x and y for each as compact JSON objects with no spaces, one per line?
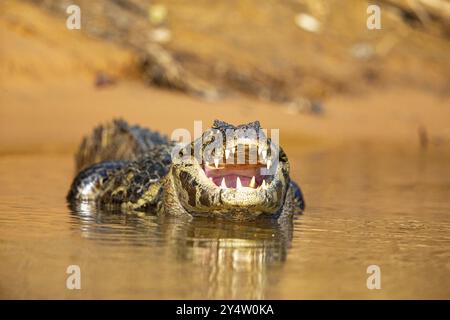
{"x":366,"y":205}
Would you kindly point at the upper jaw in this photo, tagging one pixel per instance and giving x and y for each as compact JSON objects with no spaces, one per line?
{"x":242,"y":165}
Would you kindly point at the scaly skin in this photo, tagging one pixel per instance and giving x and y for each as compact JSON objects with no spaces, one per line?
{"x":132,"y":168}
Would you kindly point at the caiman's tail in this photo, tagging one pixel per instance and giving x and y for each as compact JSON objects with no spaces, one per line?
{"x":116,"y":140}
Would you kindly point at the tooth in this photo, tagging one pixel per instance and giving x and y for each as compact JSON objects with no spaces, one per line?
{"x":238,"y":183}
{"x":269,"y":163}
{"x":216,"y":163}
{"x":223,"y":185}
{"x":264,"y":185}
{"x":233,"y":150}
{"x":227,"y":154}
{"x":252,"y":183}
{"x":207,"y":163}
{"x":264,"y":154}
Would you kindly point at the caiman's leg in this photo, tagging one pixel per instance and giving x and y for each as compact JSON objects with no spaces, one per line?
{"x":89,"y":183}
{"x":298,"y":195}
{"x":293,"y":204}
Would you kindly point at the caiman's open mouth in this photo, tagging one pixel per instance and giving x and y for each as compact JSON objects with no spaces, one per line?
{"x":241,"y":177}
{"x":228,"y":173}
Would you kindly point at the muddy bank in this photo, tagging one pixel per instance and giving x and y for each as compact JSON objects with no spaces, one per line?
{"x":51,"y":94}
{"x":275,"y":51}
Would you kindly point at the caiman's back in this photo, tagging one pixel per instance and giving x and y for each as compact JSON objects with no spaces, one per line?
{"x":116,"y":140}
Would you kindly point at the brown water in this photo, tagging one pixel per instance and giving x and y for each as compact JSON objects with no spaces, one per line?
{"x":365,"y":205}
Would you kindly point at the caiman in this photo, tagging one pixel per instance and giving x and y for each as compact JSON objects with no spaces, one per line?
{"x":231,"y":172}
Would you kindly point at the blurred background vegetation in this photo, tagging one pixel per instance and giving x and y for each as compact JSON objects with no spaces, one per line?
{"x":264,"y":48}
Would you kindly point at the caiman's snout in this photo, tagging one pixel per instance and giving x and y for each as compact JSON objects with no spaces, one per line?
{"x":242,"y":177}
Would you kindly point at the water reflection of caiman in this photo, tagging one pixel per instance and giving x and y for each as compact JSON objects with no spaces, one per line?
{"x":230,"y":171}
{"x":232,"y":259}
